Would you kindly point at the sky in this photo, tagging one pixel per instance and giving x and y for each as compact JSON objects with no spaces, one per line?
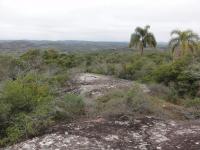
{"x":95,"y":20}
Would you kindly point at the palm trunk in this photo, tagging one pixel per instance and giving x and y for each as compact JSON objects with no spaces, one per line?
{"x":142,"y":51}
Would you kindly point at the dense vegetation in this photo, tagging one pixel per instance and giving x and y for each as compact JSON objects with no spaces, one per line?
{"x":30,"y":99}
{"x":31,"y":85}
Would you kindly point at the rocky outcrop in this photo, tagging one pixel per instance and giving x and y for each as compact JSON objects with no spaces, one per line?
{"x":145,"y":133}
{"x":120,"y":133}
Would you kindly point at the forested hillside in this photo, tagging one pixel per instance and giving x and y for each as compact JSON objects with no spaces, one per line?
{"x":21,"y":46}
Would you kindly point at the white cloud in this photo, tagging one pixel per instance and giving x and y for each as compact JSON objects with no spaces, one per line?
{"x":110,"y":20}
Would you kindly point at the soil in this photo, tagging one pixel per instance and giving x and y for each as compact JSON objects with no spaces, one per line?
{"x":116,"y":133}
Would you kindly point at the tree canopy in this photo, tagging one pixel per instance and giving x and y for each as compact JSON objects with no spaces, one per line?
{"x":183,"y":42}
{"x":142,"y":38}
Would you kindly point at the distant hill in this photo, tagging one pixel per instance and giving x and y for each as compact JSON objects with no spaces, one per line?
{"x":162,"y":45}
{"x":22,"y":45}
{"x":66,"y":46}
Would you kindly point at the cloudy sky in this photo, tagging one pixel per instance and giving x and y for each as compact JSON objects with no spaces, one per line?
{"x":96,"y":20}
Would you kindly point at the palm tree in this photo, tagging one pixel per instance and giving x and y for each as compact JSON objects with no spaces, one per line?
{"x":142,"y":38}
{"x":183,"y":42}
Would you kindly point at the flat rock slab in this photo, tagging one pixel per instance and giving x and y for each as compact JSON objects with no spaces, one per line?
{"x":145,"y":133}
{"x":94,"y":85}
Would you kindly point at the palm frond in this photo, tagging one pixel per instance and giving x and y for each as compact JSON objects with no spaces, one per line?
{"x":187,"y":41}
{"x":176,"y":32}
{"x":174,"y":46}
{"x":140,"y":31}
{"x":173,"y":41}
{"x":193,"y":45}
{"x":146,"y":28}
{"x":151,"y":40}
{"x":193,"y":36}
{"x":142,"y":38}
{"x":135,"y":39}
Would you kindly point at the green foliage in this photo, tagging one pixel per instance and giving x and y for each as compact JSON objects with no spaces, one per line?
{"x":138,"y":101}
{"x":64,"y":60}
{"x":21,"y":100}
{"x":10,"y":67}
{"x":183,"y":42}
{"x":50,"y":56}
{"x":69,"y":107}
{"x":25,"y":94}
{"x":169,"y":71}
{"x":194,"y":104}
{"x":141,"y":68}
{"x":142,"y":38}
{"x":32,"y":59}
{"x":131,"y":102}
{"x":59,"y":79}
{"x":167,"y":93}
{"x":33,"y":86}
{"x":182,"y":74}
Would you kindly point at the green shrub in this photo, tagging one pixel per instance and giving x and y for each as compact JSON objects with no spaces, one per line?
{"x":13,"y":134}
{"x":169,"y":72}
{"x":32,"y":59}
{"x":194,"y":104}
{"x":71,"y":106}
{"x":142,"y":68}
{"x":24,"y":101}
{"x":167,"y":93}
{"x":64,"y":60}
{"x":50,"y":56}
{"x":138,"y":101}
{"x":59,"y":79}
{"x":183,"y":73}
{"x":23,"y":96}
{"x":130,"y":102}
{"x":10,"y":67}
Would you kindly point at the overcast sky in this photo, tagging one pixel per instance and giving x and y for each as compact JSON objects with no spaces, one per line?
{"x":96,"y":20}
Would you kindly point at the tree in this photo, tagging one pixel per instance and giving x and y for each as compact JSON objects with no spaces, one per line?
{"x":142,"y":38}
{"x":183,"y":42}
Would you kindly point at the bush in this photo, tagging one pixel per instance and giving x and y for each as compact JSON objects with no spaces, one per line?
{"x":25,"y":96}
{"x":169,"y":72}
{"x":10,"y":67}
{"x":183,"y":73}
{"x":63,"y":60}
{"x":58,"y":79}
{"x":194,"y":104}
{"x":131,"y":102}
{"x":141,"y":68}
{"x":32,"y":59}
{"x":167,"y":93}
{"x":70,"y":107}
{"x":24,"y":101}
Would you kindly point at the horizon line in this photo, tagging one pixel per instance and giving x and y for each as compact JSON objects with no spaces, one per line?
{"x":71,"y":40}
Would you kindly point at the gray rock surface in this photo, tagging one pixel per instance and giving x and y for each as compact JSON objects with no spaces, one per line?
{"x":145,"y":133}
